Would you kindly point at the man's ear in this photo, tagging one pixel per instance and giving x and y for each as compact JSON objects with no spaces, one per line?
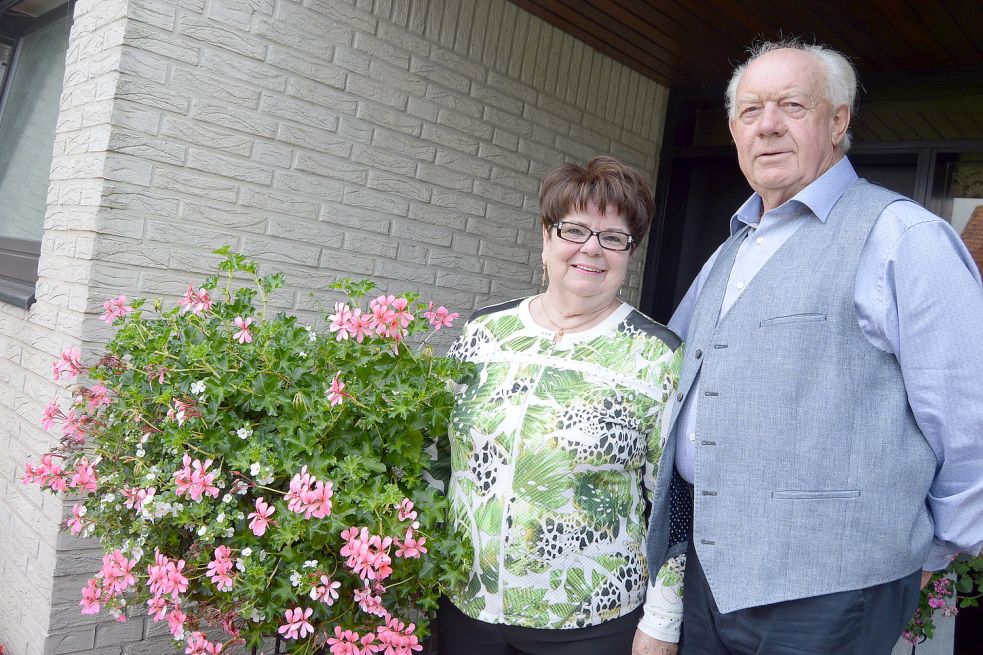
{"x":840,"y":123}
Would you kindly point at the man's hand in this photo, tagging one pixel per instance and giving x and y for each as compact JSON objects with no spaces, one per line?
{"x":645,"y":645}
{"x":926,"y":576}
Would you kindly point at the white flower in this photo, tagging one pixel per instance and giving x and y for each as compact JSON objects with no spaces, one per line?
{"x":141,"y":452}
{"x":228,"y":498}
{"x":221,"y":517}
{"x":254,"y":469}
{"x":302,"y":354}
{"x":262,"y":555}
{"x":295,"y":579}
{"x":256,"y":618}
{"x":108,"y":498}
{"x":202,"y":530}
{"x":240,"y":564}
{"x":145,"y":437}
{"x":247,"y":551}
{"x":137,"y":553}
{"x":310,"y":564}
{"x":198,"y":388}
{"x":244,"y":432}
{"x":311,"y":333}
{"x":82,"y":510}
{"x":230,"y":533}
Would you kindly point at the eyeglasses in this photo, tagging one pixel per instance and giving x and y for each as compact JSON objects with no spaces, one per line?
{"x":608,"y":239}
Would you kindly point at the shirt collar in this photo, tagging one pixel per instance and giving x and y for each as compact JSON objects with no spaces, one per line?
{"x":818,"y":198}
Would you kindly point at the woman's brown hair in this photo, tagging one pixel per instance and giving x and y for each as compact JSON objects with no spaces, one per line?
{"x":603,"y":181}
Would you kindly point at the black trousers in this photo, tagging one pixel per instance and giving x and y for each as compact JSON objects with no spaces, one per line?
{"x":459,"y":634}
{"x":860,"y":622}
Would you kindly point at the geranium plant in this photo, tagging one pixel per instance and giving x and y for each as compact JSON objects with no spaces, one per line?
{"x":246,"y":472}
{"x":959,"y":585}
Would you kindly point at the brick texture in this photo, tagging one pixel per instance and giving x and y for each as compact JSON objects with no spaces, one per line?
{"x":394,"y":139}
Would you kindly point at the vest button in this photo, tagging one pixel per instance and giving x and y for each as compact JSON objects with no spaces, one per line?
{"x":679,"y":397}
{"x":698,"y":353}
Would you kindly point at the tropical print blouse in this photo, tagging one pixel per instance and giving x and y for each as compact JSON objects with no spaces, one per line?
{"x":550,"y":446}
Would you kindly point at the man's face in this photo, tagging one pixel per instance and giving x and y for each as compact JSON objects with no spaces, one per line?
{"x":785,"y":129}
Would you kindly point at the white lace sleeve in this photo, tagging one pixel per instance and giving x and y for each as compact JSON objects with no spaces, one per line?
{"x":664,"y":602}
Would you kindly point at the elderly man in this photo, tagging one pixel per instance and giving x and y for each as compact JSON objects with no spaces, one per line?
{"x":830,"y":408}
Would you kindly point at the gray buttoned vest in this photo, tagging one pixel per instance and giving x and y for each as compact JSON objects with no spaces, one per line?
{"x":811,"y":474}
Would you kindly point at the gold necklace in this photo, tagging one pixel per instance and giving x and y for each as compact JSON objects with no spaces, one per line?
{"x":560,"y":330}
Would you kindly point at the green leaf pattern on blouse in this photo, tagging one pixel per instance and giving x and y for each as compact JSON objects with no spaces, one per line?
{"x":550,"y":446}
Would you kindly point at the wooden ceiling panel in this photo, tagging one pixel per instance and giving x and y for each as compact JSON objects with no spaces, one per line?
{"x":695,"y":42}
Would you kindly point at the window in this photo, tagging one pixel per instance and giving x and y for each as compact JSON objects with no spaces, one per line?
{"x":33,"y":44}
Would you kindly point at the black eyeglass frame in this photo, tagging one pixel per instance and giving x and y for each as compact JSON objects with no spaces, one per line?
{"x":558,"y":226}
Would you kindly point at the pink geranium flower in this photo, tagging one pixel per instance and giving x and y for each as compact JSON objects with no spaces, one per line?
{"x":197,"y":644}
{"x":176,"y":622}
{"x":195,"y":480}
{"x":165,"y":576}
{"x":52,"y":412}
{"x":368,"y":555}
{"x":137,"y":496}
{"x":115,"y":309}
{"x":181,"y":411}
{"x":440,"y":317}
{"x":296,"y":623}
{"x":243,"y":335}
{"x":117,"y":572}
{"x":345,"y":642}
{"x":411,"y":547}
{"x":389,"y":317}
{"x":157,"y":607}
{"x":91,"y":597}
{"x":369,"y":603}
{"x":84,"y":477}
{"x":341,"y":321}
{"x":260,"y":519}
{"x":75,"y":425}
{"x":309,"y":496}
{"x":326,"y":592}
{"x":97,"y":396}
{"x":221,"y":569}
{"x":77,"y":523}
{"x":401,"y":316}
{"x":398,"y":638}
{"x":69,"y":364}
{"x":406,"y":511}
{"x":46,"y":473}
{"x":336,"y":392}
{"x":195,"y":302}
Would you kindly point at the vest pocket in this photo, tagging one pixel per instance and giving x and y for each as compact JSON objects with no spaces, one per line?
{"x":793,"y":318}
{"x":816,"y":495}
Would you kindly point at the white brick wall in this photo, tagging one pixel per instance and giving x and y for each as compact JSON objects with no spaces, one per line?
{"x":401,"y":140}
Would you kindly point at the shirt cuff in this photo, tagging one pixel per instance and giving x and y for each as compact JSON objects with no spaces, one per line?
{"x":939,"y":557}
{"x":664,"y":602}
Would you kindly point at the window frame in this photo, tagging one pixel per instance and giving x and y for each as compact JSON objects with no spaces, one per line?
{"x":19,"y":257}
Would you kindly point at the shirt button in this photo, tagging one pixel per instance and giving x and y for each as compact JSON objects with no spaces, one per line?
{"x":679,"y":397}
{"x":759,"y":240}
{"x":692,"y":436}
{"x":739,"y":285}
{"x":698,"y":353}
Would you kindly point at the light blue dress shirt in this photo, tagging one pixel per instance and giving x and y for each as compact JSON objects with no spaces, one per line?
{"x":918,"y":296}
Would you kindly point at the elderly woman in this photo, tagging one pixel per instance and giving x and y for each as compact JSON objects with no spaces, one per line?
{"x":553,"y":442}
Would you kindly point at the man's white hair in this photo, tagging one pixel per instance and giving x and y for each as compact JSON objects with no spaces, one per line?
{"x":841,"y":77}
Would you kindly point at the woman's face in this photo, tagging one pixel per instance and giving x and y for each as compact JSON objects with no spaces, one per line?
{"x":585,"y":269}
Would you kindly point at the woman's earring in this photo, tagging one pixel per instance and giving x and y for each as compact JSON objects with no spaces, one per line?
{"x":543,"y":278}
